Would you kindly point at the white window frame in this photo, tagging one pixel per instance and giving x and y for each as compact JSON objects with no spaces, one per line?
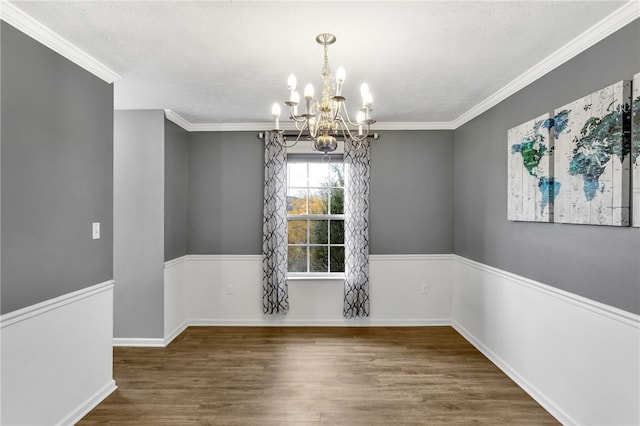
{"x":304,"y":147}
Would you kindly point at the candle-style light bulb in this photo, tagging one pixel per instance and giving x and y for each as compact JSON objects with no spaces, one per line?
{"x":295,"y":99}
{"x":367,"y":100}
{"x":308,"y":92}
{"x":308,"y":96}
{"x":364,"y":89}
{"x":340,"y":74}
{"x":291,"y":82}
{"x":275,"y":112}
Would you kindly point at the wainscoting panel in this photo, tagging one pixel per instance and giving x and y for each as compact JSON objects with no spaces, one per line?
{"x":410,"y":289}
{"x":227,"y":290}
{"x":578,"y":358}
{"x":175,"y":304}
{"x":57,"y":358}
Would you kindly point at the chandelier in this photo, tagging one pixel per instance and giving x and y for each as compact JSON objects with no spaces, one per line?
{"x":324,"y":119}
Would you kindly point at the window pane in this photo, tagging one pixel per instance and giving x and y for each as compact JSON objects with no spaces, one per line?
{"x":319,"y":259}
{"x":337,"y":174}
{"x":315,"y":188}
{"x":337,"y":201}
{"x":336,"y":263}
{"x":297,"y":230}
{"x":318,"y":201}
{"x":318,"y":231}
{"x":297,"y":261}
{"x":318,"y":174}
{"x":296,"y":201}
{"x":297,"y":174}
{"x":337,"y":232}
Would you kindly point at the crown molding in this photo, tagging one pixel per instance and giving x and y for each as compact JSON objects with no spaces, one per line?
{"x":233,"y":127}
{"x":414,"y":125}
{"x":177,"y":119}
{"x":261,"y":127}
{"x":624,"y":15}
{"x":34,"y":29}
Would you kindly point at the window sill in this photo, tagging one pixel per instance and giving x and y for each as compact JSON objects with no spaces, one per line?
{"x":318,"y":277}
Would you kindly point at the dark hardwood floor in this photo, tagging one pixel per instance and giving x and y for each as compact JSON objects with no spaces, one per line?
{"x":313,"y":376}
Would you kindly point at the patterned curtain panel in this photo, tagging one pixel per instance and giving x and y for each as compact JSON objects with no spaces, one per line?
{"x":356,"y":230}
{"x":275,"y":299}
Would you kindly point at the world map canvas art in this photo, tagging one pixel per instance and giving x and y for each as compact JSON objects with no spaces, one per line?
{"x":531,"y":187}
{"x":635,"y":150}
{"x":592,"y":137}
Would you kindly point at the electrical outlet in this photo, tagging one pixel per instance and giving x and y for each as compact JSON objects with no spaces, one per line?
{"x":229,"y":289}
{"x":425,"y":289}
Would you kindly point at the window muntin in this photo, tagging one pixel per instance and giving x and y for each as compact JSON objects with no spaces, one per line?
{"x":315,"y":214}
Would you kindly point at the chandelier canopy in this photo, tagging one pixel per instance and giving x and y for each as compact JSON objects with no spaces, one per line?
{"x":324,"y":119}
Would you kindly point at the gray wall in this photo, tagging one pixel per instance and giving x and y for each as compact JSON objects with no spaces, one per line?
{"x":226,"y":173}
{"x":176,"y":187}
{"x":138,"y":242}
{"x":601,"y":263}
{"x":411,"y":210}
{"x":411,"y":193}
{"x":57,"y":169}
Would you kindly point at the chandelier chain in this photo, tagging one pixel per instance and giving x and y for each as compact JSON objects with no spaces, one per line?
{"x":327,"y":76}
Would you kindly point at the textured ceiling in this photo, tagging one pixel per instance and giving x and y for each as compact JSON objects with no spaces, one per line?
{"x":228,"y":61}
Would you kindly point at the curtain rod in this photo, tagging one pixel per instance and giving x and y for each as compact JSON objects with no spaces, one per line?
{"x":375,"y":136}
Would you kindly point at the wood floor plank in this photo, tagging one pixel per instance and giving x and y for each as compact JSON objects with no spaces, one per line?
{"x":313,"y":376}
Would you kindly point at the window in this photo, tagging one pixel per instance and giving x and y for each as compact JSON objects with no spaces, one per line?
{"x":315,"y":215}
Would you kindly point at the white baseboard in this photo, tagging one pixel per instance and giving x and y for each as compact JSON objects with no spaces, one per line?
{"x":275,"y":322}
{"x":139,"y":342}
{"x":533,"y":392}
{"x":281,"y":322}
{"x":176,"y":332}
{"x":91,"y":402}
{"x":54,"y":354}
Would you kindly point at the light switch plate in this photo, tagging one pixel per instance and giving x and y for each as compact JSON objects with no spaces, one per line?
{"x":96,"y":231}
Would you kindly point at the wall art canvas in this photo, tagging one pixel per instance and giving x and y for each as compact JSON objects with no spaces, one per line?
{"x":635,"y":150}
{"x":531,"y":187}
{"x":592,"y":138}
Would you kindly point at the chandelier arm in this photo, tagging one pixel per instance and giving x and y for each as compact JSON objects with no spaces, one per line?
{"x":346,"y":113}
{"x":295,"y":118}
{"x":346,"y":132}
{"x":299,"y":135}
{"x":358,"y":139}
{"x":357,"y":142}
{"x":283,"y":143}
{"x":338,"y":107}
